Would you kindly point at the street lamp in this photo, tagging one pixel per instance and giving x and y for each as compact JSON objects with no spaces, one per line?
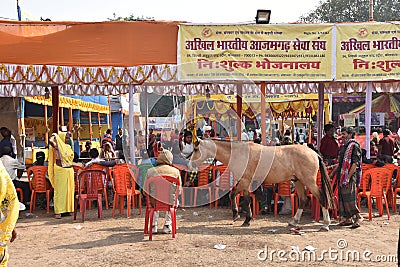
{"x":263,"y":16}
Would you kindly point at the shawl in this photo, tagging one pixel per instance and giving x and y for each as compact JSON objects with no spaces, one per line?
{"x":67,"y":155}
{"x":344,"y":172}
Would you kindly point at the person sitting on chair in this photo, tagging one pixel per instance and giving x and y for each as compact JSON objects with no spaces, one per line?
{"x":12,"y":165}
{"x":85,"y":153}
{"x":164,"y":162}
{"x":94,"y":155}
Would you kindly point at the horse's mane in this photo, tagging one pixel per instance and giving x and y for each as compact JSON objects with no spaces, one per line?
{"x":227,"y":141}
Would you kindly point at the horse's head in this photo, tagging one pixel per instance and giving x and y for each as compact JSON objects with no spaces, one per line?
{"x":202,"y":150}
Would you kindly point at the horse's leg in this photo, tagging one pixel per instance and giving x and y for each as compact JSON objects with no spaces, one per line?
{"x":301,"y":193}
{"x":249,"y":215}
{"x":317,"y":193}
{"x":242,"y":186}
{"x":234,"y":206}
{"x":327,"y":219}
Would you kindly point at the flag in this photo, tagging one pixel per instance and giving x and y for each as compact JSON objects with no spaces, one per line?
{"x":19,"y":11}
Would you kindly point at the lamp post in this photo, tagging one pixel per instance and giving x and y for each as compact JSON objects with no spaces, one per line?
{"x":371,"y":10}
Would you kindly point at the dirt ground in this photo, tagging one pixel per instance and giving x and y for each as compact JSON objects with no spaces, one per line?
{"x":45,"y":241}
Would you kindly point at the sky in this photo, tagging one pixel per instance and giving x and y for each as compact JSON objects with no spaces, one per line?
{"x":203,"y":11}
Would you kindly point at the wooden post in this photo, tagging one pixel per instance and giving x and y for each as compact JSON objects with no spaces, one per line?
{"x":70,"y":120}
{"x":293,"y":136}
{"x":46,"y":126}
{"x":263,"y":116}
{"x":109,"y":124}
{"x":90,"y":126}
{"x":309,"y":129}
{"x":320,"y":122}
{"x":62,"y":116}
{"x":54,"y":100}
{"x":98,"y":123}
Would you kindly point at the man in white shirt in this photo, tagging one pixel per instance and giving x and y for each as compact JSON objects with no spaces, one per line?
{"x":94,"y":155}
{"x":245,"y":137}
{"x":12,"y":165}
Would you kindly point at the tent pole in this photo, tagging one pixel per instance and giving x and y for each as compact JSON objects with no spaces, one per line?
{"x":70,"y":120}
{"x":368,"y":106}
{"x":239,"y":102}
{"x":62,"y":116}
{"x":146,"y":108}
{"x":263,"y":116}
{"x":131,"y":127}
{"x":320,"y":123}
{"x":98,"y":124}
{"x":55,"y":103}
{"x":109,"y":113}
{"x":21,"y":128}
{"x":90,"y":127}
{"x":46,"y":126}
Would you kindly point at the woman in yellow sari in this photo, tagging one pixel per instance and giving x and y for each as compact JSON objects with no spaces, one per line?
{"x":61,"y":173}
{"x":9,"y":211}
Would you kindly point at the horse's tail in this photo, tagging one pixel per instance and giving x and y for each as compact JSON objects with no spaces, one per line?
{"x":326,"y":193}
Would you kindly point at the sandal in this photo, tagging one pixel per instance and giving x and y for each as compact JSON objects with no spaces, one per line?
{"x":346,"y":223}
{"x":57,"y":216}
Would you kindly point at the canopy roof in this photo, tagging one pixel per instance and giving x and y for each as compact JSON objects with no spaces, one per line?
{"x":86,"y":103}
{"x":107,"y":58}
{"x":386,"y":103}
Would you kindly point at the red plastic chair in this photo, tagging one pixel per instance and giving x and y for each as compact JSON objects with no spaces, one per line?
{"x":222,"y":178}
{"x":315,"y":206}
{"x":103,"y":183}
{"x":38,"y":184}
{"x":124,"y":186}
{"x":88,"y":190}
{"x":378,"y":181}
{"x":136,"y":193}
{"x":284,"y":190}
{"x":184,"y":175}
{"x":20,"y":194}
{"x":163,"y":200}
{"x":393,"y":169}
{"x":203,"y":183}
{"x":395,"y":190}
{"x":254,"y":201}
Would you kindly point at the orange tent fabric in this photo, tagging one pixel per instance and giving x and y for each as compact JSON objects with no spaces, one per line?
{"x":118,"y":44}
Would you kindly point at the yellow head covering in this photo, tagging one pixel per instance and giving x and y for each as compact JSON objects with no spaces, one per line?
{"x":66,"y":154}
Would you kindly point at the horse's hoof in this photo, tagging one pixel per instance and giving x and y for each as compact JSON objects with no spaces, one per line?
{"x":236,"y":217}
{"x":293,"y":223}
{"x":324,"y":228}
{"x":245,"y":224}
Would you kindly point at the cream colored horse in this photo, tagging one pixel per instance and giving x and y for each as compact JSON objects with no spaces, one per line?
{"x":250,"y":162}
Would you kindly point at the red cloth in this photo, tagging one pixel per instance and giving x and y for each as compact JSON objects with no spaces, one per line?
{"x":174,"y":137}
{"x":389,"y":146}
{"x":329,"y":146}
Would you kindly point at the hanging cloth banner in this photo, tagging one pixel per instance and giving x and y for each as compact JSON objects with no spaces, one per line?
{"x":367,"y":52}
{"x":256,"y":52}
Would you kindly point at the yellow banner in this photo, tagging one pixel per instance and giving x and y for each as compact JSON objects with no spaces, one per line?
{"x":255,"y":52}
{"x":368,"y":52}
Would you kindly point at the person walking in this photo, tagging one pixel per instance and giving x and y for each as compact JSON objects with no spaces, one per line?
{"x":9,"y":210}
{"x":348,"y":176}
